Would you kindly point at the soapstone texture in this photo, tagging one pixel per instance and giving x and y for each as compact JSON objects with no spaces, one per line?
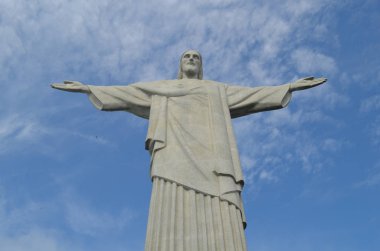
{"x":184,"y":219}
{"x":190,"y":135}
{"x":196,"y":199}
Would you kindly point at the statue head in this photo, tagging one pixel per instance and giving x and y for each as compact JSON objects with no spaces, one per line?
{"x":190,"y":65}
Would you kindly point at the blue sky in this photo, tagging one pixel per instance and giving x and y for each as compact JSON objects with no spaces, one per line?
{"x":74,"y":178}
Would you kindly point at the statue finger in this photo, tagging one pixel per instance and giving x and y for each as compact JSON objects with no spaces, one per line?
{"x":308,"y":78}
{"x":59,"y":86}
{"x":320,"y":80}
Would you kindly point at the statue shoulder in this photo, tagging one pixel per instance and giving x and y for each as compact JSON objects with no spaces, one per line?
{"x":212,"y":82}
{"x":175,"y":82}
{"x":156,"y":83}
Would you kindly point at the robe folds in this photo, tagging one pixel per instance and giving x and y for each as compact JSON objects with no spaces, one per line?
{"x":190,"y":136}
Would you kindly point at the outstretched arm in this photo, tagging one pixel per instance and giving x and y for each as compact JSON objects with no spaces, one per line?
{"x":129,"y":98}
{"x":306,"y":83}
{"x":246,"y":100}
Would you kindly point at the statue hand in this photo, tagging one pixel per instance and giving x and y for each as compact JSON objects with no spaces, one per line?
{"x":71,"y":86}
{"x":306,"y":83}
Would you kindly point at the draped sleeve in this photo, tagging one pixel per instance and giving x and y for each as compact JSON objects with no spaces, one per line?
{"x":247,"y":100}
{"x":128,"y":98}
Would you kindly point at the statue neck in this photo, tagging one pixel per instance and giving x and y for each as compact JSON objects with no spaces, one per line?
{"x":190,"y":75}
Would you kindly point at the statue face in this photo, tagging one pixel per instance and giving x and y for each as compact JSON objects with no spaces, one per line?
{"x":191,"y":62}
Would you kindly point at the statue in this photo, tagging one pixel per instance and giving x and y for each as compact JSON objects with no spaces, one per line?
{"x":197,"y":179}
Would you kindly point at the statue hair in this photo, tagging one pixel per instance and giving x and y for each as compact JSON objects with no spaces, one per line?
{"x":180,"y":71}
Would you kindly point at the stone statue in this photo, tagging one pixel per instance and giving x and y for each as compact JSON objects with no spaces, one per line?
{"x":197,"y":179}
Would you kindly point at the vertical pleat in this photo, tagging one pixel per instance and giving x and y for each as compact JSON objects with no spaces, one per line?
{"x":152,"y":211}
{"x":218,"y":225}
{"x":159,"y":201}
{"x":180,"y":221}
{"x":193,"y":233}
{"x":187,"y":220}
{"x":210,"y":224}
{"x":201,"y":222}
{"x":241,"y":230}
{"x":184,"y":220}
{"x":235,"y":228}
{"x":227,"y":226}
{"x":153,"y":216}
{"x":173,"y":214}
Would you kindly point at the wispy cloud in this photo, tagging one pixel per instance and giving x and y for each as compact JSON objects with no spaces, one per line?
{"x":373,"y":178}
{"x":48,"y":225}
{"x":274,"y":143}
{"x":35,"y":240}
{"x":118,"y":42}
{"x":372,"y":103}
{"x":308,"y":62}
{"x":86,"y":220}
{"x":110,"y":42}
{"x":17,"y":129}
{"x":21,"y":227}
{"x":370,"y":107}
{"x":30,"y":131}
{"x":114,"y":38}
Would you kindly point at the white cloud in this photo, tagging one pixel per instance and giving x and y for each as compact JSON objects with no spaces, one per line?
{"x":370,"y":107}
{"x":300,"y":7}
{"x":85,"y":220}
{"x":113,"y":42}
{"x":38,"y":239}
{"x":265,"y":175}
{"x":20,"y":231}
{"x":16,"y":129}
{"x":308,"y":62}
{"x":371,"y":103}
{"x":24,"y":131}
{"x":50,"y":225}
{"x":110,"y":39}
{"x":34,"y":240}
{"x":273,"y":143}
{"x":374,"y":130}
{"x":326,"y":96}
{"x":332,"y":145}
{"x":116,"y":39}
{"x":373,"y":178}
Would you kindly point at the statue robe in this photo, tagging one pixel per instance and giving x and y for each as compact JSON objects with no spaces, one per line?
{"x":190,"y":136}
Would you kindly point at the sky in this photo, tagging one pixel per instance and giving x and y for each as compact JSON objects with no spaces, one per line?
{"x":75,"y":178}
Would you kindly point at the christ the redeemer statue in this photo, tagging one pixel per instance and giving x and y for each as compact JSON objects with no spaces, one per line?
{"x":197,"y":179}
